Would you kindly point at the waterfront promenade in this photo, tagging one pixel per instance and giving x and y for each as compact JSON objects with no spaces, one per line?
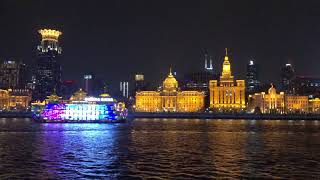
{"x":201,"y":115}
{"x":226,"y":116}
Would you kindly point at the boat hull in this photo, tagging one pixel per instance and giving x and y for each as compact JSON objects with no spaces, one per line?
{"x":40,"y":120}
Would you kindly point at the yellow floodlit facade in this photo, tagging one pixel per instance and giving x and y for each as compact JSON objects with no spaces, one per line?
{"x":18,"y":99}
{"x":169,"y":99}
{"x":272,"y":102}
{"x":227,"y":94}
{"x":49,"y":34}
{"x":314,"y":105}
{"x":296,"y":104}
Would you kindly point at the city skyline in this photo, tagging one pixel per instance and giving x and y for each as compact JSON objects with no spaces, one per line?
{"x":118,"y":40}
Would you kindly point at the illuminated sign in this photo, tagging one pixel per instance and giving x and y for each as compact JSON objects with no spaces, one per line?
{"x":94,"y":99}
{"x":79,"y":112}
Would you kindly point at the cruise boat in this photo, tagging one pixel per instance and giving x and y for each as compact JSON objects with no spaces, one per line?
{"x":81,"y":108}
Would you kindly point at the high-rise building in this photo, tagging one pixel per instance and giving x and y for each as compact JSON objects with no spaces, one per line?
{"x":12,"y":74}
{"x":287,"y":77}
{"x":226,"y":95}
{"x":88,"y":83}
{"x":199,"y":80}
{"x":252,"y":78}
{"x":139,"y":82}
{"x":208,"y":66}
{"x":47,"y":67}
{"x":124,"y":89}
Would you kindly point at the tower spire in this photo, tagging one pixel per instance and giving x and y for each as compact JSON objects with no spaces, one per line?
{"x":205,"y":61}
{"x":170,"y":71}
{"x":226,"y":58}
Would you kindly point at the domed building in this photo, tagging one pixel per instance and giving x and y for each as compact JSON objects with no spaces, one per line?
{"x":169,"y":98}
{"x":170,"y":84}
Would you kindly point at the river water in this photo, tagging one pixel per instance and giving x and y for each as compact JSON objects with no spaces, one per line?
{"x":160,"y":149}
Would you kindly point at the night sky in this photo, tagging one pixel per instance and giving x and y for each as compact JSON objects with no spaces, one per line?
{"x":116,"y":39}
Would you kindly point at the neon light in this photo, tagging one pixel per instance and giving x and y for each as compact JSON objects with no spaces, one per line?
{"x":91,"y":99}
{"x":81,"y":112}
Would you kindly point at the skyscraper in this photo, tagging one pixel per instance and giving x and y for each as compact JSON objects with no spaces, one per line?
{"x":287,"y":77}
{"x":88,"y":83}
{"x":252,"y":77}
{"x":12,"y":74}
{"x":139,"y":82}
{"x":207,"y":62}
{"x":47,"y":66}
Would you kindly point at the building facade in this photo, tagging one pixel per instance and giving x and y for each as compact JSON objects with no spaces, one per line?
{"x":272,"y":102}
{"x":227,"y":94}
{"x":296,"y":104}
{"x":47,"y":68}
{"x":169,"y":98}
{"x":16,"y":99}
{"x":12,"y":75}
{"x":279,"y":103}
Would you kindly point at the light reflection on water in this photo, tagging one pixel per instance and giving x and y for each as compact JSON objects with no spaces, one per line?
{"x":160,"y":148}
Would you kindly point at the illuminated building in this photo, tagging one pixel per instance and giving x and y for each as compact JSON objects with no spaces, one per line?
{"x":140,"y":84}
{"x":314,"y":105}
{"x":199,"y":80}
{"x":169,"y":99}
{"x":253,"y":83}
{"x":48,"y":68}
{"x":124,"y":89}
{"x":12,"y":74}
{"x":93,"y":84}
{"x":87,"y":82}
{"x":287,"y":76}
{"x":296,"y":104}
{"x":208,"y":62}
{"x":225,"y":94}
{"x":272,"y":102}
{"x":15,"y":99}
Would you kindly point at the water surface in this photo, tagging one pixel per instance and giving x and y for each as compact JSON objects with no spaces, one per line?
{"x":160,"y":149}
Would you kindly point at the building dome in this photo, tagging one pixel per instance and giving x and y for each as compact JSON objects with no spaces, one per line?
{"x":170,"y":83}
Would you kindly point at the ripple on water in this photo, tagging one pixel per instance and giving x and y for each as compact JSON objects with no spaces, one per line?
{"x":160,"y":149}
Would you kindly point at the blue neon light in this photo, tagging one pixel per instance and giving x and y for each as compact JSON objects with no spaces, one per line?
{"x":79,"y":112}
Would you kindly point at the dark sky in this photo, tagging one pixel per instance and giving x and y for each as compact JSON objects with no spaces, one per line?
{"x":116,"y":39}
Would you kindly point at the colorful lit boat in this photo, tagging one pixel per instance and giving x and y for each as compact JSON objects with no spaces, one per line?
{"x":103,"y":109}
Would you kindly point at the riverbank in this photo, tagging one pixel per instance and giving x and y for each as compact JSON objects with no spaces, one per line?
{"x":193,"y":116}
{"x":226,"y":116}
{"x":15,"y":114}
